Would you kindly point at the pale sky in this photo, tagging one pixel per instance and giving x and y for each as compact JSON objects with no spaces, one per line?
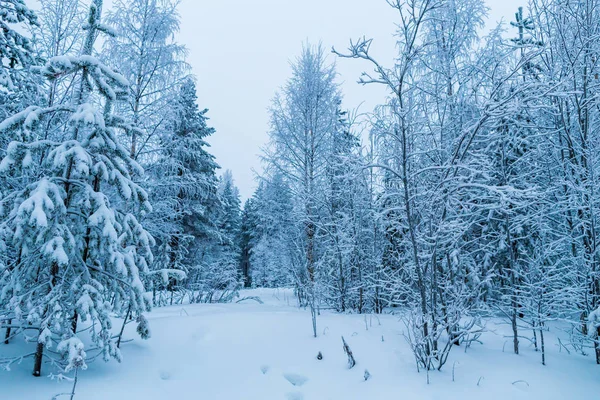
{"x":240,"y":51}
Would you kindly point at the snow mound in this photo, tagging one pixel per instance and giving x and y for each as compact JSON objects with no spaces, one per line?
{"x":294,"y":396}
{"x":295,"y":379}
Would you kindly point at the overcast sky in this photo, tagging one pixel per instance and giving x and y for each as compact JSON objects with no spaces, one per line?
{"x":240,"y":51}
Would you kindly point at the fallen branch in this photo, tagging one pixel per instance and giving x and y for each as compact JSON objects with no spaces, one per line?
{"x":351,"y":360}
{"x":255,"y":298}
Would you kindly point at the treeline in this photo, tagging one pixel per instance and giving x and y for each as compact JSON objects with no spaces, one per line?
{"x":109,"y":197}
{"x":472,"y":191}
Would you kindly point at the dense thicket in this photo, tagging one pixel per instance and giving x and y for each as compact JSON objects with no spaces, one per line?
{"x":474,"y":193}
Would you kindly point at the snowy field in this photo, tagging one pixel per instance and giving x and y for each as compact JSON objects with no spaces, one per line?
{"x":251,"y":351}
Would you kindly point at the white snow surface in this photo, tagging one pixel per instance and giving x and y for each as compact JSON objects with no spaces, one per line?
{"x":252,"y":351}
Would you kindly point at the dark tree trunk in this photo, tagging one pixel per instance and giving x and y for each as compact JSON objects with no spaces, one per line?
{"x":597,"y":345}
{"x":543,"y":345}
{"x":37,"y":362}
{"x":123,"y":327}
{"x":8,"y":330}
{"x":74,"y":322}
{"x":584,"y":327}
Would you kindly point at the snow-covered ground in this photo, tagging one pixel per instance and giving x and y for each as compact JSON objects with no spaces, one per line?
{"x":251,"y":351}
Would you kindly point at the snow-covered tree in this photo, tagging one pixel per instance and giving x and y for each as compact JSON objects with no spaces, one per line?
{"x":304,"y":117}
{"x":273,"y":248}
{"x":215,"y":276}
{"x":183,"y":191}
{"x":426,"y":134}
{"x":78,"y":250}
{"x":229,"y":221}
{"x":226,"y":254}
{"x":346,"y":223}
{"x":60,"y":28}
{"x":248,"y":231}
{"x":17,"y":85}
{"x":59,"y":33}
{"x":16,"y":52}
{"x":145,"y":52}
{"x":567,"y":66}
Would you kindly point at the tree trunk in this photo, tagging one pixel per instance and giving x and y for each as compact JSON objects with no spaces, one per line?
{"x":542,"y":344}
{"x":515,"y":328}
{"x":74,"y":322}
{"x":8,"y":330}
{"x":123,"y":327}
{"x":513,"y":282}
{"x":37,"y":363}
{"x":597,"y":345}
{"x":584,"y":326}
{"x":535,"y":339}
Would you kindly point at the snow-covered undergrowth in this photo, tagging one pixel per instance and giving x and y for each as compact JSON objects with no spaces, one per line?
{"x":252,"y":351}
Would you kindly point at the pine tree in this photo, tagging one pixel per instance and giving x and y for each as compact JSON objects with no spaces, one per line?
{"x":18,"y":86}
{"x":248,"y":231}
{"x":79,"y":252}
{"x":215,"y":275}
{"x":16,"y":52}
{"x":225,"y":258}
{"x":273,"y":238}
{"x":229,"y":220}
{"x":184,"y":191}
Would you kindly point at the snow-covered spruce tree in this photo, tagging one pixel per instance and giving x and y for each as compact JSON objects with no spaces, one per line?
{"x":230,"y":219}
{"x":15,"y":49}
{"x":17,"y":86}
{"x":145,"y":53}
{"x":246,"y":240}
{"x":215,"y":277}
{"x":79,"y":250}
{"x":226,"y":277}
{"x":272,"y":243}
{"x":184,"y":194}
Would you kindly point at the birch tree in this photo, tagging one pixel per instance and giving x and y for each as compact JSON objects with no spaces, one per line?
{"x":303,"y":119}
{"x":145,"y":52}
